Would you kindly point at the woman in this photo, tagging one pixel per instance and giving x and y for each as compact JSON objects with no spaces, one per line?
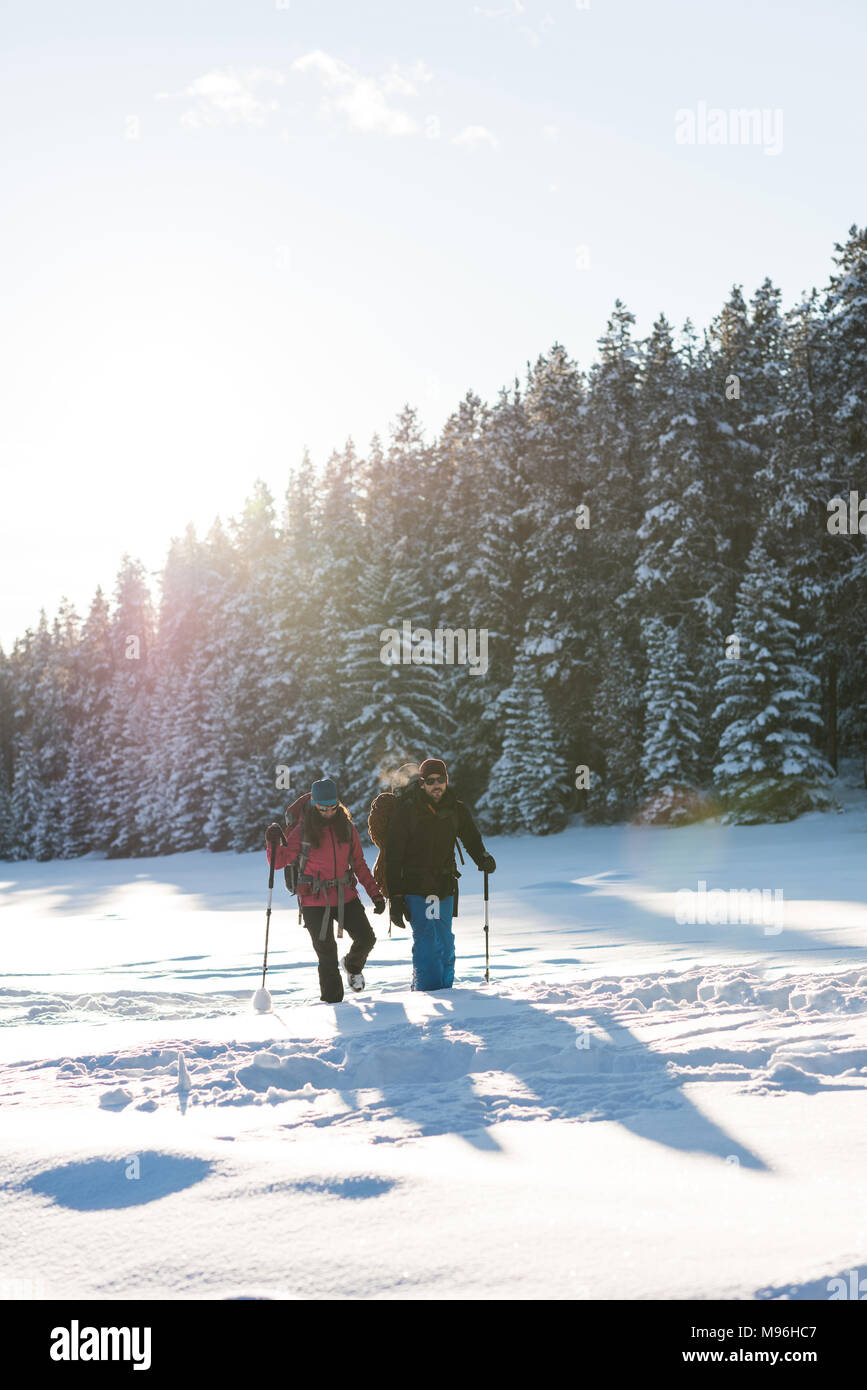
{"x":330,"y":860}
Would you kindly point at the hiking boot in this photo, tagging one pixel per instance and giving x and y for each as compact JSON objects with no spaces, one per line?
{"x":356,"y":982}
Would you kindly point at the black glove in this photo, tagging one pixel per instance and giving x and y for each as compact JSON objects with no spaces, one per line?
{"x":379,"y":903}
{"x":397,"y":909}
{"x":274,"y":835}
{"x":488,"y":864}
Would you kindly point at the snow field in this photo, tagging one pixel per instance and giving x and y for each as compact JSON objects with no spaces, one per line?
{"x":632,"y":1108}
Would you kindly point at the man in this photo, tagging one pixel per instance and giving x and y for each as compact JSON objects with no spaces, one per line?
{"x":421,"y":871}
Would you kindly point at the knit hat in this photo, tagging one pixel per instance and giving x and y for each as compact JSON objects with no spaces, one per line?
{"x":324,"y":793}
{"x":431,"y":765}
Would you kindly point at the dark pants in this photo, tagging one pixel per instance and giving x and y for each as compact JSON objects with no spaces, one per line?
{"x":355,"y":923}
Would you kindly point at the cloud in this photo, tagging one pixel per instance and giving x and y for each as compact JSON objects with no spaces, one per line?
{"x":404,"y":80}
{"x":362,"y":100}
{"x":512,"y":14}
{"x":226,"y":96}
{"x":516,"y":9}
{"x":475,"y":136}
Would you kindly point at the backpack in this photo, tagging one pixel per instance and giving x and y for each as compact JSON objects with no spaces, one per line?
{"x":377,"y":828}
{"x":293,"y":871}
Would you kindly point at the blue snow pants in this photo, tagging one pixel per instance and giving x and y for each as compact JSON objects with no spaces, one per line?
{"x":433,"y":942}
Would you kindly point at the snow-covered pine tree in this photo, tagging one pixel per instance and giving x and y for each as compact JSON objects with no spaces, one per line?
{"x":7,"y":689}
{"x":73,"y":809}
{"x":170,"y":807}
{"x":95,"y":670}
{"x":770,"y":768}
{"x":671,"y":729}
{"x":680,"y":574}
{"x":844,"y":390}
{"x":38,"y":744}
{"x":731,"y":459}
{"x":30,"y":834}
{"x":529,"y":784}
{"x":400,"y":713}
{"x":472,"y":535}
{"x":119,"y":772}
{"x":500,"y":532}
{"x":558,"y":584}
{"x":613,"y":677}
{"x":340,"y":560}
{"x":252,"y":723}
{"x":399,"y":710}
{"x":7,"y":824}
{"x":293,"y":638}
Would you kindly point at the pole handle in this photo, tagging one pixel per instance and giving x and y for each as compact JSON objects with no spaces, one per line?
{"x":272,"y":854}
{"x":486,"y":886}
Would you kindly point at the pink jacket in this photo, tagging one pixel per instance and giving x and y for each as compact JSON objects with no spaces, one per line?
{"x":330,"y":859}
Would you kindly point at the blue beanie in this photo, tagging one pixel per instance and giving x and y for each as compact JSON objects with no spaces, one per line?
{"x":324,"y":793}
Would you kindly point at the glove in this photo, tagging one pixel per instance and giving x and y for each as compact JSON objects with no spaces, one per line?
{"x":397,"y":909}
{"x":274,"y":835}
{"x":379,"y":903}
{"x":488,"y":864}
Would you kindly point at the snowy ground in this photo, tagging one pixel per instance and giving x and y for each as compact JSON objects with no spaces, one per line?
{"x":633,"y":1108}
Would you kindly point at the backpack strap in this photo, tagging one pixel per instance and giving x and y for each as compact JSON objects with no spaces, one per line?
{"x":299,"y":867}
{"x":294,"y":814}
{"x":320,"y":885}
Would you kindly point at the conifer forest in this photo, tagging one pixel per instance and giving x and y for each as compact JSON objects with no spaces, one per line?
{"x":631,"y":589}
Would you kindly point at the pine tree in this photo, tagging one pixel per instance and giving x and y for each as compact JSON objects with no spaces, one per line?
{"x":731,"y":458}
{"x":528,"y":788}
{"x":672,"y":736}
{"x":252,"y":723}
{"x":558,"y":586}
{"x":293,"y":638}
{"x":7,"y":821}
{"x":29,"y":806}
{"x":481,"y":526}
{"x":396,"y":711}
{"x":120,"y":766}
{"x":74,"y":806}
{"x":7,"y":688}
{"x":613,"y":675}
{"x":843,"y":386}
{"x":770,"y":768}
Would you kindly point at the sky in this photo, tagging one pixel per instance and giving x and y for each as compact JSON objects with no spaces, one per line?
{"x":234,"y":230}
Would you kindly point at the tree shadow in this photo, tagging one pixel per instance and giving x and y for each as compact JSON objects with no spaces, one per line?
{"x":483,"y":1058}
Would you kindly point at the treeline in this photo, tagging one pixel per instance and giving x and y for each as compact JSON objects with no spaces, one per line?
{"x":672,"y":627}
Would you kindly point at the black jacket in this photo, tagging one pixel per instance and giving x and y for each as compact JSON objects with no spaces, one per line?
{"x":420,"y":849}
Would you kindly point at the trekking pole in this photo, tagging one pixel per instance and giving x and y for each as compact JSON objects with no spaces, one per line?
{"x":262,"y":999}
{"x":487,"y":971}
